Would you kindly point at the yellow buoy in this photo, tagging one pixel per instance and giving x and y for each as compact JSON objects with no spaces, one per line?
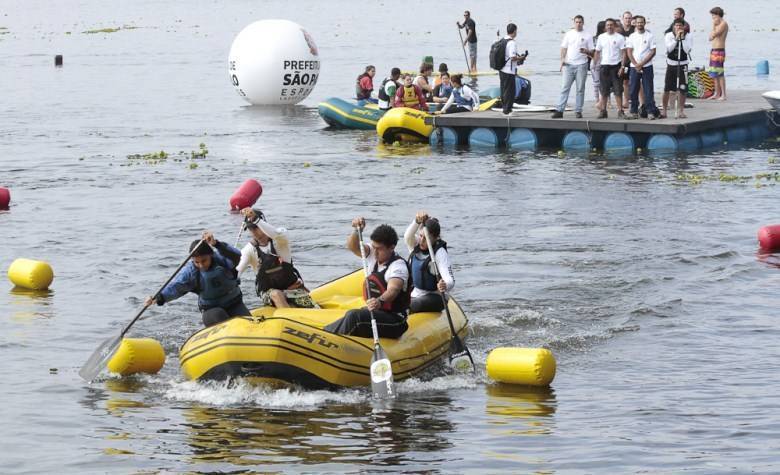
{"x":137,"y":355}
{"x":529,"y":366}
{"x":30,"y":274}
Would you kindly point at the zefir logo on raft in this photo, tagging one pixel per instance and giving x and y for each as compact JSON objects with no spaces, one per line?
{"x":299,"y":79}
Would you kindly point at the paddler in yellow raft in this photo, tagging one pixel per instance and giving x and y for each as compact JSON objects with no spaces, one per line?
{"x":389,"y":285}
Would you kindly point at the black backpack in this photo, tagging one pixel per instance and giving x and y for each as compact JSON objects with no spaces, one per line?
{"x":498,"y":54}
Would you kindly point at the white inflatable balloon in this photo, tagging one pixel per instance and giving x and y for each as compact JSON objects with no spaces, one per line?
{"x":273,"y":62}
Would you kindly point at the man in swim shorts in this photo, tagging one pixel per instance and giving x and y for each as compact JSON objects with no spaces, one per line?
{"x":720,"y":29}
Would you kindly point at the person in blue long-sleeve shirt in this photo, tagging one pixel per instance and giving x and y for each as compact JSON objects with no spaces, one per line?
{"x":211,"y":274}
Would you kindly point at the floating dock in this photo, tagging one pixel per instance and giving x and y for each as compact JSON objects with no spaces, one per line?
{"x":743,"y":118}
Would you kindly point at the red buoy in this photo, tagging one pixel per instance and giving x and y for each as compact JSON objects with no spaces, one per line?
{"x":5,"y":198}
{"x":246,"y":195}
{"x":769,"y":237}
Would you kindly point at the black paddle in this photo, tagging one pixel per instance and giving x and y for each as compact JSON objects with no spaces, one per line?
{"x":460,"y":356}
{"x":463,"y":47}
{"x":97,"y":361}
{"x":381,"y":370}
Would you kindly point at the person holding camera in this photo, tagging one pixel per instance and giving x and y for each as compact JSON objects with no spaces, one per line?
{"x":507,"y":73}
{"x":576,"y":48}
{"x":678,"y":50}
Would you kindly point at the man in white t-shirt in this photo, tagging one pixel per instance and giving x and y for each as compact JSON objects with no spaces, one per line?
{"x":506,"y":75}
{"x":640,"y":49}
{"x":575,"y":49}
{"x":610,"y":51}
{"x":388,"y":286}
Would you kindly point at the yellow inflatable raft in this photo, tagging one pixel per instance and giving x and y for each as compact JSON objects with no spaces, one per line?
{"x":403,"y":124}
{"x":288,"y":346}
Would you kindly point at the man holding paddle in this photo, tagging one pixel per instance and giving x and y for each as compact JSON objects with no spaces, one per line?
{"x":471,"y":39}
{"x":387,"y":290}
{"x":211,"y":274}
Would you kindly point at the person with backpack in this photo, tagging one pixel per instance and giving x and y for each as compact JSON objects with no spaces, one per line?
{"x":427,"y":284}
{"x":388,"y":287}
{"x":364,"y":84}
{"x":211,"y":274}
{"x":277,"y":282}
{"x":387,"y":90}
{"x":504,"y":58}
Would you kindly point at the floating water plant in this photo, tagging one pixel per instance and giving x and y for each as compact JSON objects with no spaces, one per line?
{"x":101,"y":30}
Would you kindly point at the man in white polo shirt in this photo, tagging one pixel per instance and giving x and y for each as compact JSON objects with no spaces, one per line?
{"x":575,"y":49}
{"x":610,"y":49}
{"x":640,"y":48}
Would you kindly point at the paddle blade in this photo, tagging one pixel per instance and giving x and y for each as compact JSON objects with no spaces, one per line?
{"x":381,"y":371}
{"x":99,"y":358}
{"x":460,"y":357}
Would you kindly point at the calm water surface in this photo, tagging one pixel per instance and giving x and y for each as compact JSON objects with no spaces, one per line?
{"x":646,"y":287}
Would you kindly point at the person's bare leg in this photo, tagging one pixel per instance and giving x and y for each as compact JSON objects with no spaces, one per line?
{"x":681,"y":106}
{"x":665,"y":102}
{"x":722,"y":82}
{"x":278,"y":298}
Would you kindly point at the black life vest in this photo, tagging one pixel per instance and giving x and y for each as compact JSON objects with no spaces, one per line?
{"x":422,"y":275}
{"x":377,"y":285}
{"x":273,"y":272}
{"x":361,"y":93}
{"x":673,"y":54}
{"x":381,"y":94}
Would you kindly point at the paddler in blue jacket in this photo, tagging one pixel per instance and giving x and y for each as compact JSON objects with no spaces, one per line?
{"x":211,"y":274}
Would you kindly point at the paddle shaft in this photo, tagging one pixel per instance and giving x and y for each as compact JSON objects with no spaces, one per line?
{"x":677,"y":92}
{"x":456,"y":339}
{"x":240,"y":232}
{"x":463,"y":47}
{"x":374,"y":331}
{"x":438,"y":274}
{"x":184,"y":263}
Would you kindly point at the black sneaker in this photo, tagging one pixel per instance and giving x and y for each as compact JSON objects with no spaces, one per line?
{"x":602,"y":114}
{"x":557,"y":115}
{"x":578,"y":115}
{"x":643,"y":112}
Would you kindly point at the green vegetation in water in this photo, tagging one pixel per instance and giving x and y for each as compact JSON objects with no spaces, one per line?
{"x":201,"y":152}
{"x":154,"y":158}
{"x":696,"y":179}
{"x":101,"y":30}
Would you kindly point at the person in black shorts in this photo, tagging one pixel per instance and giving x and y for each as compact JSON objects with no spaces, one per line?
{"x":678,"y":49}
{"x":610,"y":51}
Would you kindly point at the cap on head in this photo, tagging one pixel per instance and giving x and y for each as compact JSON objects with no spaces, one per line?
{"x":200,"y":248}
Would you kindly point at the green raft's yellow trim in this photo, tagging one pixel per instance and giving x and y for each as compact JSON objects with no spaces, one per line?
{"x":347,"y":115}
{"x":289,"y":346}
